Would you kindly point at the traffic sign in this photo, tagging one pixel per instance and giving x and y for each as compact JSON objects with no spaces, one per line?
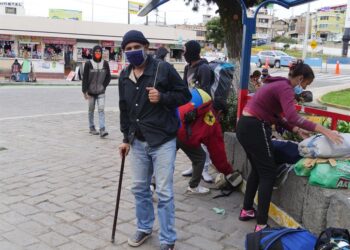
{"x":313,"y":44}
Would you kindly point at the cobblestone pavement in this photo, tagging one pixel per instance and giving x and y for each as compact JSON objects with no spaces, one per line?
{"x":58,"y":187}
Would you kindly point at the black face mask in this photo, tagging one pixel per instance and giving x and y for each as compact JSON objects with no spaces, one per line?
{"x":190,"y":57}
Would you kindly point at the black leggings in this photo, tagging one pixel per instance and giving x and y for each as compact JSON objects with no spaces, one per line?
{"x":255,"y":137}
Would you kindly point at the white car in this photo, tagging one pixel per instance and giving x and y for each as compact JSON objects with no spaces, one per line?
{"x":275,"y":58}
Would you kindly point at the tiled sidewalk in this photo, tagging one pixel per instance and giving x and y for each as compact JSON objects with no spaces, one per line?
{"x":58,"y":187}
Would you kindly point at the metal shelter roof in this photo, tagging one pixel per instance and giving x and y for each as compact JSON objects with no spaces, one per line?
{"x":150,"y":5}
{"x":153,"y":4}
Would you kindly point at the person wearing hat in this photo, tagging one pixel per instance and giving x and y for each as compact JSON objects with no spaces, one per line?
{"x":96,"y":78}
{"x":198,"y":74}
{"x":264,"y":75}
{"x":149,"y":93}
{"x":254,"y":81}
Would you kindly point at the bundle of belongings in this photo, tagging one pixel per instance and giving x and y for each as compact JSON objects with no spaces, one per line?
{"x":199,"y":125}
{"x":326,"y":164}
{"x":286,"y":154}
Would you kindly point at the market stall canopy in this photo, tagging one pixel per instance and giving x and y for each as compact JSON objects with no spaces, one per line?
{"x":153,"y":4}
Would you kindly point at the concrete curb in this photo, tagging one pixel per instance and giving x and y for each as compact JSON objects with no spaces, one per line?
{"x":332,"y":104}
{"x":277,"y":214}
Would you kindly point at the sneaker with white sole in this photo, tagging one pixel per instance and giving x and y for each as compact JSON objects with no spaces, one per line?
{"x":167,"y":247}
{"x":206,"y":176}
{"x":93,"y":131}
{"x":103,"y":132}
{"x":187,"y":172}
{"x":138,"y":238}
{"x":198,"y":190}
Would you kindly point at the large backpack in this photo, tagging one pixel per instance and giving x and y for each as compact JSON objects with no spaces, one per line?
{"x":221,"y":82}
{"x":280,"y":238}
{"x":333,"y":239}
{"x":221,"y":86}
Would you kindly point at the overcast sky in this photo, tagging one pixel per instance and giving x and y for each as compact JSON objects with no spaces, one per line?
{"x":176,"y":11}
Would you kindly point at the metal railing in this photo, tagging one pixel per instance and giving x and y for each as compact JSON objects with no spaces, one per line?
{"x":335,"y":117}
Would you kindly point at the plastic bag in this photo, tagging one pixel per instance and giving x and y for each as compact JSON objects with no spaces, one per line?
{"x":300,"y":169}
{"x":325,"y":175}
{"x":318,"y":146}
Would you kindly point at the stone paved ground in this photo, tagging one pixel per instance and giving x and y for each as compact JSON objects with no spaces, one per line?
{"x":58,"y":187}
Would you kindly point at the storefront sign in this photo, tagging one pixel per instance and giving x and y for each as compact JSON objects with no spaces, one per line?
{"x":36,"y":39}
{"x":65,"y":14}
{"x":63,"y":41}
{"x":5,"y":37}
{"x":13,"y":4}
{"x":107,"y":44}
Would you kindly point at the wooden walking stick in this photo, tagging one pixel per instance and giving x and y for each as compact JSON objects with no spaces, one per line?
{"x":118,"y":195}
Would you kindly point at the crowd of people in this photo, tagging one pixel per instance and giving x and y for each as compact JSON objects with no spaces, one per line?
{"x":160,"y":113}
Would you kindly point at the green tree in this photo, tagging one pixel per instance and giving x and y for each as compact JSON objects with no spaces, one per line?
{"x":230,"y":12}
{"x":215,"y":32}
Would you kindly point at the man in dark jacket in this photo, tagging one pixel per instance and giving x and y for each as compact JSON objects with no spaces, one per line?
{"x":95,"y":81}
{"x":149,"y":93}
{"x":198,"y":74}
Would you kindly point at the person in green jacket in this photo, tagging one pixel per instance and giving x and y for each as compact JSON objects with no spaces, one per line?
{"x":26,"y":68}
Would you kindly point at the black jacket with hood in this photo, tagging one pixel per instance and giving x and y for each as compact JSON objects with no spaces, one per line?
{"x":202,"y":77}
{"x":96,"y":75}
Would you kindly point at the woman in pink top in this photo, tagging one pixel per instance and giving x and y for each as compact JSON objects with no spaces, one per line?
{"x":254,"y":134}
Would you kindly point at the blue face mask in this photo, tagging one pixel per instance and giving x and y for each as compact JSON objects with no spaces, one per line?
{"x":298,"y":90}
{"x":136,"y":57}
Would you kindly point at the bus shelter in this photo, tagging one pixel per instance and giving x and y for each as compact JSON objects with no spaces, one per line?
{"x":249,"y":26}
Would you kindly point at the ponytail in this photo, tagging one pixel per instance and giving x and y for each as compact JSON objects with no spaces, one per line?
{"x":300,"y":68}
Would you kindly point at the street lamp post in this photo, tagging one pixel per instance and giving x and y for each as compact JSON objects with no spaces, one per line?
{"x":346,"y":36}
{"x":306,"y":33}
{"x":92,"y":10}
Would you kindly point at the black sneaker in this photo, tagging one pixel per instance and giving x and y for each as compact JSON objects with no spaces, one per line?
{"x":93,"y":131}
{"x":103,"y":132}
{"x":167,"y":247}
{"x":138,"y":238}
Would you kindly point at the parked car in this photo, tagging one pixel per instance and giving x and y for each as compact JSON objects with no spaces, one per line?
{"x":275,"y":58}
{"x":258,"y":42}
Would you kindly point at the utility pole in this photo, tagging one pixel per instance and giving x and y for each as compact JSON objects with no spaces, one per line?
{"x":92,"y":10}
{"x":272,"y":20}
{"x":157,"y":16}
{"x":346,"y":36}
{"x":306,"y":33}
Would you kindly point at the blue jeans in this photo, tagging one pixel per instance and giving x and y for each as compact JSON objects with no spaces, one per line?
{"x":24,"y":77}
{"x":161,"y":160}
{"x":100,"y":99}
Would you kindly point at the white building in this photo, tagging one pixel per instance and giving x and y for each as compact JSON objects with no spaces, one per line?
{"x":54,"y":44}
{"x":12,"y":8}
